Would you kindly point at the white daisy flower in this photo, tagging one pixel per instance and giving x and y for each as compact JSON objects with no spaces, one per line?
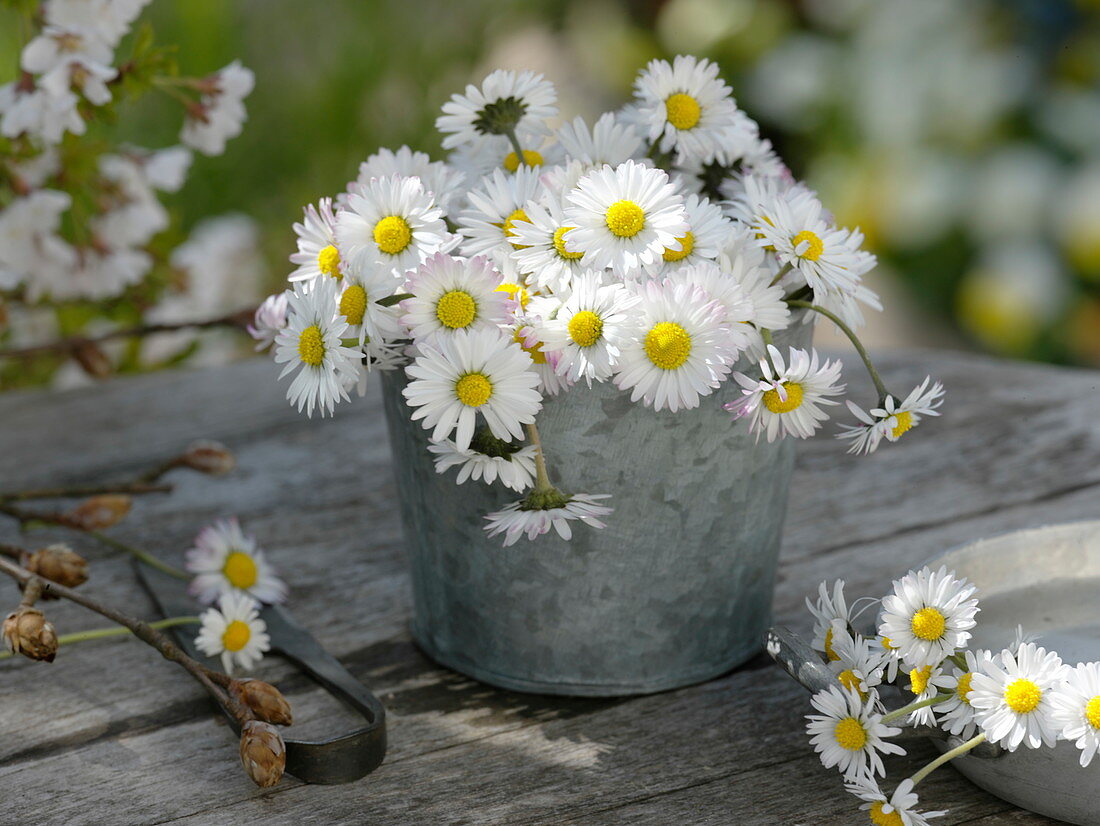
{"x":522,"y":519}
{"x":452,"y":294}
{"x":708,"y":230}
{"x":550,"y":382}
{"x":928,"y":616}
{"x":788,"y":400}
{"x":488,"y":458}
{"x":860,"y":661}
{"x":684,"y":107}
{"x":893,"y":420}
{"x":390,"y":221}
{"x":624,"y":217}
{"x":1076,"y":709}
{"x":497,"y":205}
{"x":312,"y":341}
{"x":725,"y":288}
{"x":440,"y":180}
{"x":1013,"y":695}
{"x":684,"y":349}
{"x":589,"y":331}
{"x":481,"y":156}
{"x":227,"y":560}
{"x":222,"y":112}
{"x":317,"y":253}
{"x":849,"y":734}
{"x":540,"y":246}
{"x":926,"y":682}
{"x":829,"y":609}
{"x":608,"y":142}
{"x":457,"y":377}
{"x":892,"y":662}
{"x":956,"y":714}
{"x":269,"y":319}
{"x":234,"y":631}
{"x":506,"y":101}
{"x":896,"y":810}
{"x":359,"y":294}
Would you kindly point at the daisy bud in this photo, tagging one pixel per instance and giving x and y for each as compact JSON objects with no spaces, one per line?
{"x":265,"y":700}
{"x":263,"y":753}
{"x":209,"y":457}
{"x":99,"y":512}
{"x":28,"y":632}
{"x":60,"y":564}
{"x":92,"y":359}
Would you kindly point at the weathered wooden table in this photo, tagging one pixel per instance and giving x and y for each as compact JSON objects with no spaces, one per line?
{"x":109,"y":734}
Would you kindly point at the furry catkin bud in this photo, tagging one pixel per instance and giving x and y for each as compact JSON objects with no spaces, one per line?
{"x":265,"y":700}
{"x":28,"y":632}
{"x":263,"y":753}
{"x":99,"y":512}
{"x":209,"y":457}
{"x":60,"y":564}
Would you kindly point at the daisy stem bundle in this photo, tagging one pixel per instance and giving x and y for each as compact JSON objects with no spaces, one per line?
{"x":542,"y":478}
{"x":844,"y":328}
{"x":901,"y":712}
{"x":947,"y":756}
{"x":140,"y":555}
{"x":113,"y":631}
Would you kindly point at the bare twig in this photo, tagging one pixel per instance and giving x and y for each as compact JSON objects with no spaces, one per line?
{"x":136,"y":488}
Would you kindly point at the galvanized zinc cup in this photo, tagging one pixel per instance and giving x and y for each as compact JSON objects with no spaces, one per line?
{"x":676,"y":589}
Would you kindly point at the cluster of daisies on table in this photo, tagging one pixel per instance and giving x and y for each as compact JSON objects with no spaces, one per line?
{"x":654,"y":250}
{"x":233,"y":576}
{"x":1022,"y":695}
{"x":77,"y":219}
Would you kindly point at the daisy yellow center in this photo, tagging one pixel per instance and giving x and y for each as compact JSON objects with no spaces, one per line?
{"x":682,"y":110}
{"x":236,"y":636}
{"x":687,"y":244}
{"x":881,"y":818}
{"x":830,"y":652}
{"x":392,"y":234}
{"x":850,"y":734}
{"x":240,"y":570}
{"x":585,"y":328}
{"x":509,"y":226}
{"x":534,"y":351}
{"x":311,"y":346}
{"x":328,"y":261}
{"x":814,"y":245}
{"x":1092,"y":712}
{"x":668,"y":345}
{"x":1022,"y":696}
{"x":904,"y":423}
{"x":559,"y":245}
{"x":353,"y":304}
{"x":928,"y":624}
{"x":516,"y":293}
{"x":888,"y":644}
{"x":918,"y":679}
{"x":474,"y":389}
{"x":530,"y":158}
{"x":777,"y":404}
{"x":963,"y":687}
{"x":456,"y":309}
{"x":625,"y":219}
{"x":850,"y":681}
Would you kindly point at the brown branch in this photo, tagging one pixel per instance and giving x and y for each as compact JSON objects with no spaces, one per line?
{"x":239,"y":319}
{"x":208,"y":678}
{"x":132,"y":488}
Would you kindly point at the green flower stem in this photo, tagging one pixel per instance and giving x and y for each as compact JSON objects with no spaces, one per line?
{"x":844,"y":328}
{"x":114,"y":631}
{"x":947,"y":756}
{"x":786,"y":268}
{"x":511,"y":133}
{"x":542,"y":478}
{"x":931,"y":701}
{"x":139,"y":554}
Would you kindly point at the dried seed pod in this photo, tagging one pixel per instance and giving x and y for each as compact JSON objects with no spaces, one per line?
{"x":208,"y":457}
{"x":99,"y":512}
{"x":92,"y":359}
{"x":265,"y":700}
{"x":263,"y":753}
{"x":59,"y":563}
{"x":28,"y":632}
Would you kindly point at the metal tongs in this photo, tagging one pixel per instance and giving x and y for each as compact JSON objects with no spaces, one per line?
{"x":341,"y":759}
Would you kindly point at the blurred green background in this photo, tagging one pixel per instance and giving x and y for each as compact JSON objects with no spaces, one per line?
{"x":963,"y":136}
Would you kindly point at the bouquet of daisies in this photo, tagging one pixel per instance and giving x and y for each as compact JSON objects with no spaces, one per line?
{"x":1021,"y":696}
{"x":653,"y":249}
